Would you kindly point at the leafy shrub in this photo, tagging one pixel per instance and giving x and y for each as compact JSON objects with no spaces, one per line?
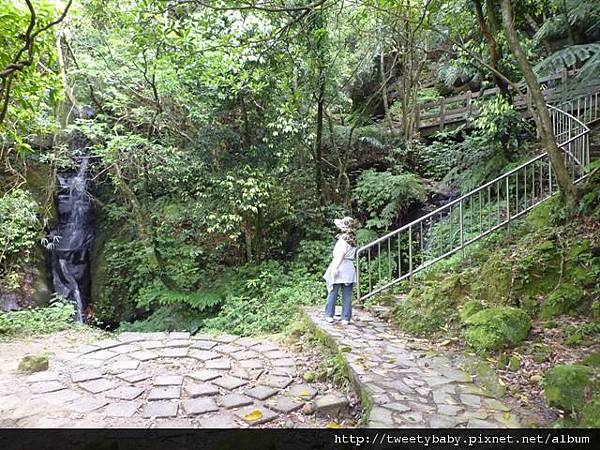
{"x":565,"y":299}
{"x":55,"y":317}
{"x":268,"y":311}
{"x":385,"y":196}
{"x":496,"y":328}
{"x":168,"y":318}
{"x":434,"y":161}
{"x":19,"y":231}
{"x":576,"y":335}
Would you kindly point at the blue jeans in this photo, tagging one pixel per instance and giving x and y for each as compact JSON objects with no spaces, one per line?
{"x":346,"y":301}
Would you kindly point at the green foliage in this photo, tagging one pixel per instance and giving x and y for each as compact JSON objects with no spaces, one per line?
{"x":168,"y":318}
{"x":568,"y":386}
{"x":386,"y":196}
{"x":565,"y":299}
{"x":592,"y":360}
{"x":266,"y":303}
{"x":50,"y":319}
{"x":435,"y":160}
{"x":571,"y":18}
{"x":498,"y":123}
{"x":587,"y":55}
{"x":576,"y":335}
{"x":19,"y":231}
{"x":469,"y":308}
{"x":35,"y":90}
{"x":430,"y":308}
{"x":496,"y":328}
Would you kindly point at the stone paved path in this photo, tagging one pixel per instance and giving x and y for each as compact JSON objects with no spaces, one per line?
{"x":176,"y":380}
{"x":406,"y":385}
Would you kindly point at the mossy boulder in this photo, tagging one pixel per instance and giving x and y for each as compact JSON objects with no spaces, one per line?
{"x":592,"y":360}
{"x":563,"y":300}
{"x":568,"y":386}
{"x":494,"y":281}
{"x":496,"y":328}
{"x":469,"y":308}
{"x":34,"y":363}
{"x":590,"y":416}
{"x":514,"y":363}
{"x":429,"y":307}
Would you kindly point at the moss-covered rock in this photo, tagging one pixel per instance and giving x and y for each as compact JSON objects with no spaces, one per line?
{"x":494,"y":281}
{"x":34,"y":363}
{"x":496,"y":328}
{"x":568,"y":386}
{"x":469,"y":308}
{"x":431,"y":306}
{"x":565,"y":299}
{"x":590,"y":415}
{"x":592,"y":360}
{"x":514,"y":363}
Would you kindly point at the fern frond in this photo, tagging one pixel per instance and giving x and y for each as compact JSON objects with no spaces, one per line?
{"x":566,"y":58}
{"x":200,"y":300}
{"x":585,"y":15}
{"x":552,"y":28}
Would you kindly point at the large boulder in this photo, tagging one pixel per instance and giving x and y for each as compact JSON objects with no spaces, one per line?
{"x":568,"y":386}
{"x":496,"y":328}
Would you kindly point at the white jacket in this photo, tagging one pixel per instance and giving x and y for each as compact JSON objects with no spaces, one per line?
{"x":343,"y":260}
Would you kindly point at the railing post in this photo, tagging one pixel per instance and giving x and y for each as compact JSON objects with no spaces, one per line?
{"x":442,"y":112}
{"x":410,"y":261}
{"x":461,"y":224}
{"x":357,"y":277}
{"x":507,"y":201}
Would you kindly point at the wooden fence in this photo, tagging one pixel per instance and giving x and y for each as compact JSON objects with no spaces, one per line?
{"x":438,"y":114}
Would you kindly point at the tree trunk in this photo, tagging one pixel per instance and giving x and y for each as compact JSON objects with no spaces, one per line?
{"x":142,"y":221}
{"x":540,"y":110}
{"x":384,"y":91}
{"x":318,"y":152}
{"x":488,"y":34}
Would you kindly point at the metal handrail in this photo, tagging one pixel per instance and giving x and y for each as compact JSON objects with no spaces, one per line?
{"x":433,"y":236}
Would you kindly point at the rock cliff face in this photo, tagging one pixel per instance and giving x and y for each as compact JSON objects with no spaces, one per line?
{"x":34,"y":288}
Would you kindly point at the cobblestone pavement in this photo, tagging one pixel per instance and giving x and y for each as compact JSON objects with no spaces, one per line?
{"x":407,"y":385}
{"x":170,"y":380}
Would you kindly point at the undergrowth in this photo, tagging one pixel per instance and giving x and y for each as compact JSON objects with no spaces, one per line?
{"x":56,"y":317}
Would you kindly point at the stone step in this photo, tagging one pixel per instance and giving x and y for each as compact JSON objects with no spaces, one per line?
{"x":403,"y":381}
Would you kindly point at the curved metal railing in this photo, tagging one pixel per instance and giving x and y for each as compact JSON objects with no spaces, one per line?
{"x":417,"y":245}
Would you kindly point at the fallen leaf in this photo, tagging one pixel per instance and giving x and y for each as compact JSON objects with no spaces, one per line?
{"x":333,"y":425}
{"x":254,"y":415}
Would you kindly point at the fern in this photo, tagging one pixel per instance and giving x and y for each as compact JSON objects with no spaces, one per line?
{"x":582,"y":15}
{"x":200,"y":300}
{"x":585,"y":15}
{"x":552,"y":28}
{"x":386,"y":196}
{"x":588,"y":54}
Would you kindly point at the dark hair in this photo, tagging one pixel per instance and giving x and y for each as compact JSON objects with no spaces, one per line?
{"x":349,"y":236}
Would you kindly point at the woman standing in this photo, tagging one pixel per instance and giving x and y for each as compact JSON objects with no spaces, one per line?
{"x":341,"y":272}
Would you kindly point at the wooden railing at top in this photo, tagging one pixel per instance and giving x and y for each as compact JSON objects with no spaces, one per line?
{"x":461,"y":108}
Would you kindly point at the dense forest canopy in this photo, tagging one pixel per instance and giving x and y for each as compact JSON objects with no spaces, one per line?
{"x":177,"y":165}
{"x":223,"y":133}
